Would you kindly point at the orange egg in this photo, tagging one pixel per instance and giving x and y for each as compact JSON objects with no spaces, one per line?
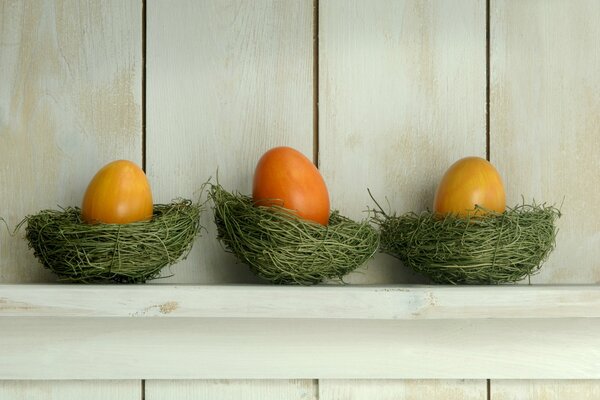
{"x":469,"y":182}
{"x":285,"y":177}
{"x":118,"y":194}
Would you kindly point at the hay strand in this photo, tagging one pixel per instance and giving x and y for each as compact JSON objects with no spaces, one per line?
{"x":496,"y":248}
{"x":283,"y":249}
{"x":126,"y":253}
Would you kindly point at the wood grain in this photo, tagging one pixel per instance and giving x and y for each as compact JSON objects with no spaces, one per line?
{"x":227,"y":80}
{"x":302,"y":303}
{"x":230,"y":348}
{"x":545,"y":390}
{"x":232,"y":390}
{"x":401,"y":97}
{"x":71,"y":390}
{"x":69,"y":102}
{"x":545,"y":125}
{"x":405,"y":390}
{"x":545,"y":121}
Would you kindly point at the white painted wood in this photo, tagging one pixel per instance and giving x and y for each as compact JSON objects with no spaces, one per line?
{"x":545,"y":125}
{"x":545,"y":390}
{"x":401,"y":97}
{"x":223,"y":348}
{"x":71,"y":390}
{"x":320,"y":302}
{"x":58,"y":89}
{"x":232,"y":390}
{"x":226,"y":81}
{"x":405,"y":390}
{"x":545,"y":121}
{"x":70,"y":101}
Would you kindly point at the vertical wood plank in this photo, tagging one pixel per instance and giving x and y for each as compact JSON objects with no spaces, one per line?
{"x":226,"y":80}
{"x":545,"y":390}
{"x":69,"y":102}
{"x":70,"y":390}
{"x":232,"y":390}
{"x":402,"y":390}
{"x":545,"y":121}
{"x":402,"y":92}
{"x":545,"y":129}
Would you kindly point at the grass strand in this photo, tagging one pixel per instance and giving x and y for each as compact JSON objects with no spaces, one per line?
{"x":492,"y":249}
{"x":282,"y":249}
{"x":126,"y":253}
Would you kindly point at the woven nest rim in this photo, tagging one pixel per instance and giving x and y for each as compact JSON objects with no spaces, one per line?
{"x":486,"y":249}
{"x":126,"y":253}
{"x":283,"y":249}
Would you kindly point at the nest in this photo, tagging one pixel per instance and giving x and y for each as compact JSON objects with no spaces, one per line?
{"x":127,"y":253}
{"x":490,"y":249}
{"x":282,"y":249}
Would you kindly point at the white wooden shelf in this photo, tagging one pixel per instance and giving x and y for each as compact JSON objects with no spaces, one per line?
{"x":254,"y":331}
{"x":294,"y":302}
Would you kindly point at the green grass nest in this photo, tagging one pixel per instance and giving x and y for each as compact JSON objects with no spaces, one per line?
{"x":126,"y":253}
{"x":283,"y":249}
{"x":491,"y":249}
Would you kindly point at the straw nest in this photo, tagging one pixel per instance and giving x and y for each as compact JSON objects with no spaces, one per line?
{"x":491,"y":249}
{"x":282,"y":249}
{"x":127,"y":253}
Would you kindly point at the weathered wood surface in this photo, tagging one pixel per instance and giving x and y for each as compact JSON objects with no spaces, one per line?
{"x":226,"y":81}
{"x":232,"y":390}
{"x":401,"y":97}
{"x":225,"y":348}
{"x":545,"y":390}
{"x":545,"y":121}
{"x":71,"y":390}
{"x":545,"y":131}
{"x":70,"y":101}
{"x":406,"y":389}
{"x":321,"y":302}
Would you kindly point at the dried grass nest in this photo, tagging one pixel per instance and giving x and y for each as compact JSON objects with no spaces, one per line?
{"x":491,"y":249}
{"x":125,"y":253}
{"x":282,"y":249}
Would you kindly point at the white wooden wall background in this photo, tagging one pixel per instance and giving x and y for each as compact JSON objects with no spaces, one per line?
{"x":401,"y":91}
{"x":226,"y":80}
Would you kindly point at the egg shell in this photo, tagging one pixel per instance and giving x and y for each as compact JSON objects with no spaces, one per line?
{"x":286,"y":178}
{"x":119,"y":193}
{"x":469,"y":182}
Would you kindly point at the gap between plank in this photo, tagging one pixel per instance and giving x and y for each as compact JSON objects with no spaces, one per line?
{"x":487,"y":80}
{"x":144,"y":5}
{"x":316,"y":83}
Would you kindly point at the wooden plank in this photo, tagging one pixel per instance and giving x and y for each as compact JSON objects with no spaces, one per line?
{"x":545,"y":121}
{"x":545,"y":390}
{"x":69,"y":102}
{"x":71,"y":390}
{"x":401,"y":97}
{"x":232,"y":390}
{"x":321,"y":302}
{"x":223,"y":348}
{"x":406,"y":390}
{"x":225,"y":82}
